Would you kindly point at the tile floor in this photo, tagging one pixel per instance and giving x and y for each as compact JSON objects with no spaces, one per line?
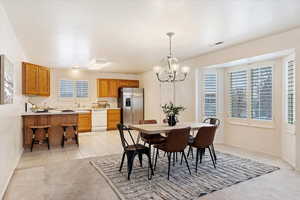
{"x":61,"y":174}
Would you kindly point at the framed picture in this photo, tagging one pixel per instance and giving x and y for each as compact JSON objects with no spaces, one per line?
{"x":6,"y":81}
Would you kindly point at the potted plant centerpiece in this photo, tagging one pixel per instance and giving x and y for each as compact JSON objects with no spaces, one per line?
{"x":171,"y":111}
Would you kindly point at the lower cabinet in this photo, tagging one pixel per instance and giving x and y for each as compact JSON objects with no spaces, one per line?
{"x":113,"y":118}
{"x":84,"y":122}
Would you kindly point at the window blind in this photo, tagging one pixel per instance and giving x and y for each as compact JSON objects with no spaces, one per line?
{"x":66,"y":88}
{"x":261,"y":93}
{"x":291,"y":103}
{"x":82,"y":88}
{"x":71,"y":88}
{"x":238,"y":94}
{"x":210,"y":95}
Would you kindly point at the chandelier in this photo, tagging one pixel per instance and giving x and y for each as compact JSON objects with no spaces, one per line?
{"x":169,"y":69}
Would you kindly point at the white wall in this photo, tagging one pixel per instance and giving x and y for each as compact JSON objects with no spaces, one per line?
{"x":157,"y":93}
{"x":91,"y":76}
{"x":10,"y":119}
{"x":270,"y":44}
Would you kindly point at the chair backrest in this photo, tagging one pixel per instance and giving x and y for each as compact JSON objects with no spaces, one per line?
{"x":213,"y":121}
{"x":150,"y":121}
{"x":177,"y":139}
{"x":205,"y":136}
{"x":124,"y":142}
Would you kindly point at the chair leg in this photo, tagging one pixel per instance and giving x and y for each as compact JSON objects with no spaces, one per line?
{"x":188,"y":154}
{"x":156,"y":159}
{"x":169,"y":164}
{"x":197,"y":158}
{"x":123,"y":157}
{"x":181,"y":158}
{"x":47,"y":137}
{"x":141,"y":158}
{"x":212,"y":157}
{"x":130,"y":159}
{"x":201,"y":154}
{"x":63,"y":138}
{"x":214,"y":153}
{"x":173,"y":158}
{"x":150,"y":167}
{"x":187,"y":164}
{"x":33,"y":139}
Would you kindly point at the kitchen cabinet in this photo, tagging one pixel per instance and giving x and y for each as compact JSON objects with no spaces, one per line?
{"x":36,"y":80}
{"x":129,"y":83}
{"x":102,"y":87}
{"x":44,"y":81}
{"x":113,"y":86}
{"x":110,"y":87}
{"x":113,"y":118}
{"x":84,"y":122}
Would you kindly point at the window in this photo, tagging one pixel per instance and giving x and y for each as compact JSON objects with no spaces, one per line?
{"x":66,"y":88}
{"x":82,"y":88}
{"x":251,"y":93}
{"x":210,"y":94}
{"x":261,"y":93}
{"x":71,"y":88}
{"x":290,"y":86}
{"x":238,"y":94}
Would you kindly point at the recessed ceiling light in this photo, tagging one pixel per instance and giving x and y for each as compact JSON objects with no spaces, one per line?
{"x":97,"y":64}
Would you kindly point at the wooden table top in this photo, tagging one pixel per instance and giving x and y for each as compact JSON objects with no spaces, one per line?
{"x":165,"y":128}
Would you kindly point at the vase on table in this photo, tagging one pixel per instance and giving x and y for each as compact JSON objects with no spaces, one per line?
{"x":172,"y":120}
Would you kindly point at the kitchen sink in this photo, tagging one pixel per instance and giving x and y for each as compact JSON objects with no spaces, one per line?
{"x":67,"y":111}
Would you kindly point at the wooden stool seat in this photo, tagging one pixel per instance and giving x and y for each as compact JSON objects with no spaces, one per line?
{"x":40,"y":127}
{"x":64,"y":137}
{"x":34,"y":141}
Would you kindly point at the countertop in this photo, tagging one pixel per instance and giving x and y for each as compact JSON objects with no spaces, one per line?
{"x":55,"y":112}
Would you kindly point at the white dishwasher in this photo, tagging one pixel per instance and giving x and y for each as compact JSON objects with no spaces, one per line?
{"x":99,"y":119}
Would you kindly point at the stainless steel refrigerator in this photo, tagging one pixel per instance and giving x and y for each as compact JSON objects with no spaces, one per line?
{"x":131,"y":102}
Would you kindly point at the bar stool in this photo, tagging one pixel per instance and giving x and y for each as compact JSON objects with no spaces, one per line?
{"x":34,"y":141}
{"x":64,"y":137}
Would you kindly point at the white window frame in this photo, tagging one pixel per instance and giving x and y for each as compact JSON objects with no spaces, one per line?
{"x":290,"y":128}
{"x":74,"y":90}
{"x":203,"y":92}
{"x":249,"y":121}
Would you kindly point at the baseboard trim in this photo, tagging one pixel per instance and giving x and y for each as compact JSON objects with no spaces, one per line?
{"x":4,"y":190}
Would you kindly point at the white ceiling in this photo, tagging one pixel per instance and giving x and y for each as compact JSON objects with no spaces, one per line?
{"x":131,"y":33}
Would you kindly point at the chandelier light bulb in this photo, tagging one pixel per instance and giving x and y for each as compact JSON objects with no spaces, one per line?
{"x":157,"y":69}
{"x":175,"y":67}
{"x":185,"y":69}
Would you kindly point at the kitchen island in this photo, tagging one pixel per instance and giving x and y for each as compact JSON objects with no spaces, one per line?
{"x":54,"y":119}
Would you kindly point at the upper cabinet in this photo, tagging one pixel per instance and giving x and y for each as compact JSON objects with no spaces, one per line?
{"x":129,"y":83}
{"x":36,"y":80}
{"x":102,"y":87}
{"x":110,"y":87}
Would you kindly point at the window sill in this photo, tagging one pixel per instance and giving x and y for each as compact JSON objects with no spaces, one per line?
{"x":252,"y":123}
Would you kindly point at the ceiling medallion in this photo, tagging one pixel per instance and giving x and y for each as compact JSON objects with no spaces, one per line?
{"x":169,"y":69}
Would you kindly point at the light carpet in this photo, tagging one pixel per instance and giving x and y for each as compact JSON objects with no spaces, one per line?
{"x":181,"y":186}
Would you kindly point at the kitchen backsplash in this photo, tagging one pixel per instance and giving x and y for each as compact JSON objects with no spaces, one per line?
{"x":70,"y":102}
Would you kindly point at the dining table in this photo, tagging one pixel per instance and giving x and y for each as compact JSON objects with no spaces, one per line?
{"x":165,"y":128}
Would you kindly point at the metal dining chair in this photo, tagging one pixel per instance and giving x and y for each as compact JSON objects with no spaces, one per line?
{"x":131,"y":150}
